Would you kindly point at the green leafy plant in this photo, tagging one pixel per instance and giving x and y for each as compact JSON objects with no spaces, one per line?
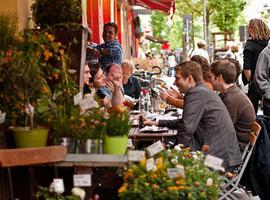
{"x":27,"y":70}
{"x":50,"y":13}
{"x":94,"y":126}
{"x":8,"y":28}
{"x":196,"y":181}
{"x":118,"y":122}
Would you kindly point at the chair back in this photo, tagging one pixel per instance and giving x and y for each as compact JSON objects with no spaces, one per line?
{"x":253,"y":135}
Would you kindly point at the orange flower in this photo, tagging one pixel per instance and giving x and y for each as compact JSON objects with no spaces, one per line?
{"x":47,"y":54}
{"x":128,"y":174}
{"x":123,"y":188}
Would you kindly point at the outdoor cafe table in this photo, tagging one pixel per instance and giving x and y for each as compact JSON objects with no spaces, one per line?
{"x":153,"y":136}
{"x":137,"y":136}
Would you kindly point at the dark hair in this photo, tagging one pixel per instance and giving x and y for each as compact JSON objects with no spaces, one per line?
{"x":203,"y":62}
{"x":225,"y":68}
{"x":190,"y":68}
{"x":112,"y":24}
{"x":236,"y":64}
{"x":94,"y":68}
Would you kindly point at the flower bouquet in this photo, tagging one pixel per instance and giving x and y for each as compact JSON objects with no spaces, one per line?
{"x":175,"y":174}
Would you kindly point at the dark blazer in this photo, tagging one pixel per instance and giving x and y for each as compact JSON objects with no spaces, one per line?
{"x":206,"y":121}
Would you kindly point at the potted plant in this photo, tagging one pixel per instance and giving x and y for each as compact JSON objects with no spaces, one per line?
{"x":175,"y":174}
{"x":118,"y":126}
{"x":92,"y":131}
{"x":25,"y":69}
{"x":22,"y":84}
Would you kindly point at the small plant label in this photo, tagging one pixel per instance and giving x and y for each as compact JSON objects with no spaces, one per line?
{"x":2,"y":117}
{"x":176,"y":172}
{"x":88,"y":103}
{"x":213,"y":162}
{"x":135,"y":155}
{"x":77,"y":98}
{"x":150,"y":164}
{"x":155,"y":148}
{"x":82,"y":180}
{"x":129,"y":143}
{"x":29,"y":110}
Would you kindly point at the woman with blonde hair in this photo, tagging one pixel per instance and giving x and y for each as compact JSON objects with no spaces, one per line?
{"x":259,"y":35}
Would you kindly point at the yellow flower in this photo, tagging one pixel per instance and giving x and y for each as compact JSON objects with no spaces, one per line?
{"x":143,"y":162}
{"x":62,"y":51}
{"x":180,"y":182}
{"x":172,"y":188}
{"x":51,"y":37}
{"x":159,"y":162}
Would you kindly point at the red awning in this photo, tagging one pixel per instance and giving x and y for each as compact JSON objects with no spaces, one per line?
{"x":160,"y":5}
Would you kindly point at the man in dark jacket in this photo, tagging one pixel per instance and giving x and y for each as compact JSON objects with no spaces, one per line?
{"x":205,"y":120}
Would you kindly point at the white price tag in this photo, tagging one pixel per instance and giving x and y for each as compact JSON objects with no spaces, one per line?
{"x":129,"y":143}
{"x":155,"y":148}
{"x":136,"y":155}
{"x":213,"y":162}
{"x":176,"y":172}
{"x":82,"y":180}
{"x":2,"y":117}
{"x":77,"y":98}
{"x":150,"y":164}
{"x":29,"y":110}
{"x":88,"y":103}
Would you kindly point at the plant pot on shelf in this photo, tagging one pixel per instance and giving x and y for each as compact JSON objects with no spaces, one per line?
{"x":93,"y":146}
{"x":24,"y":137}
{"x":69,"y":143}
{"x":115,"y":144}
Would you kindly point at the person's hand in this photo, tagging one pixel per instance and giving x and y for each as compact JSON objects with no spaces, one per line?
{"x":110,"y":85}
{"x":163,"y":95}
{"x":149,"y":122}
{"x":175,"y":93}
{"x":117,"y":80}
{"x":93,"y":52}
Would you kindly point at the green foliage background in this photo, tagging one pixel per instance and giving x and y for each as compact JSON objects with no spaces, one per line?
{"x":221,"y":15}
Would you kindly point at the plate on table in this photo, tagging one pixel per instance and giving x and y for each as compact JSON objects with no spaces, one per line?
{"x":153,"y":129}
{"x":134,"y":112}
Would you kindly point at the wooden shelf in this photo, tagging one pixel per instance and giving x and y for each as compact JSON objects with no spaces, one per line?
{"x":32,"y":156}
{"x":94,"y":160}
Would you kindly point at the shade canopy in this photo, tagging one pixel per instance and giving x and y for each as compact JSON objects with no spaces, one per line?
{"x":159,"y":5}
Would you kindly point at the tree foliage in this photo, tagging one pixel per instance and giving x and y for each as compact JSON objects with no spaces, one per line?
{"x":224,"y":14}
{"x":227,"y":13}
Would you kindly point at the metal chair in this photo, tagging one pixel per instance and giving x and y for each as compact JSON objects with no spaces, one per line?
{"x":230,"y":182}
